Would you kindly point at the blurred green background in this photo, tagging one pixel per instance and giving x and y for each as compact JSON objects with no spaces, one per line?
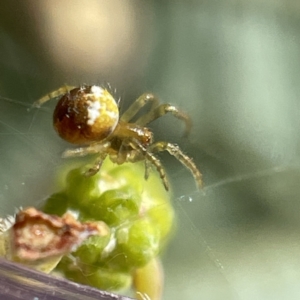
{"x":234,"y":66}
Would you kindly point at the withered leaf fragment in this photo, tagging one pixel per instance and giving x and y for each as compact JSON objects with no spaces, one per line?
{"x":36,"y":235}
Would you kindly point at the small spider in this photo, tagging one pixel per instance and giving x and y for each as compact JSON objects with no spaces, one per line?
{"x":88,"y":116}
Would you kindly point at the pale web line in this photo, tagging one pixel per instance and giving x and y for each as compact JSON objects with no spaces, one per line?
{"x":29,"y":109}
{"x":27,"y":140}
{"x":202,"y":241}
{"x":257,"y":174}
{"x":27,"y":105}
{"x":238,"y":178}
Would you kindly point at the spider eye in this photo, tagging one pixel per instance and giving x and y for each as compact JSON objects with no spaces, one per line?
{"x":86,"y":114}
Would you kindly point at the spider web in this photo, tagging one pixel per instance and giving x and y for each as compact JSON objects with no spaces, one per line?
{"x":236,"y":239}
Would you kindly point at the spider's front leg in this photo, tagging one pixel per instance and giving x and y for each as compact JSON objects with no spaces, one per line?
{"x":83,"y":151}
{"x":163,"y":109}
{"x":96,"y":166}
{"x":54,"y":94}
{"x":96,"y":148}
{"x":179,"y":155}
{"x":138,"y":104}
{"x":150,"y":158}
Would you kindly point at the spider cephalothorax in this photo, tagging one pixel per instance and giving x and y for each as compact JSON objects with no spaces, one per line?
{"x":88,"y":116}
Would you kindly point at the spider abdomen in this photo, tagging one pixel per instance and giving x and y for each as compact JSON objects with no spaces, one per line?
{"x":86,"y":114}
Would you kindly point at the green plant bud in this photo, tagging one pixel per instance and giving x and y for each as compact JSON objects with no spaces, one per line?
{"x":138,"y":242}
{"x":163,"y":217}
{"x":56,"y":204}
{"x":99,"y":277}
{"x":138,"y":212}
{"x":115,"y":206}
{"x":91,"y":250}
{"x":109,"y":280}
{"x":129,"y":173}
{"x":81,"y":189}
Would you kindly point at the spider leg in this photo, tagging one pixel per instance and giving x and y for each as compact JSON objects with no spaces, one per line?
{"x":150,"y":157}
{"x":163,"y":109}
{"x":97,"y":165}
{"x":147,"y":169}
{"x":54,"y":94}
{"x":83,"y":151}
{"x":184,"y":159}
{"x":138,"y":104}
{"x":100,"y":148}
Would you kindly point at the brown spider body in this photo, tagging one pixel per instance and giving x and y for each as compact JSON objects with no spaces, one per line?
{"x":71,"y":117}
{"x":89,"y":116}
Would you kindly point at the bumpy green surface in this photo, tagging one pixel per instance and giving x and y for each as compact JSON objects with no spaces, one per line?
{"x":138,"y":212}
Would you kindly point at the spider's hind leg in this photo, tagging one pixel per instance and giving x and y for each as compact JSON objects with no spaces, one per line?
{"x":179,"y":155}
{"x":163,"y":109}
{"x":54,"y":94}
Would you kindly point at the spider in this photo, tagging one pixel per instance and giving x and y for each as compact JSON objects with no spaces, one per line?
{"x":88,"y":116}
